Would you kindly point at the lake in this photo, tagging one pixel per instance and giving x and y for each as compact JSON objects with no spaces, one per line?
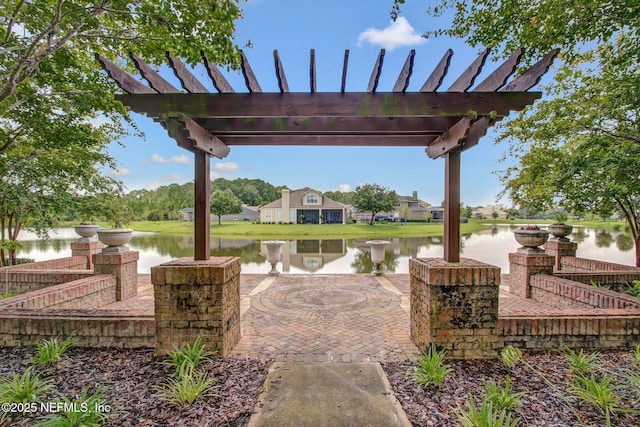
{"x":338,"y":256}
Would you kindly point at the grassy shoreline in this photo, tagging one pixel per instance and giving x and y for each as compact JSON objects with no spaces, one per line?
{"x":292,"y":231}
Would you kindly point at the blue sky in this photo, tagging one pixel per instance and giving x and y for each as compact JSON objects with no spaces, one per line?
{"x":293,"y":27}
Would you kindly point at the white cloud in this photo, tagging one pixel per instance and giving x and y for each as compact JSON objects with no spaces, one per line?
{"x":120,"y":172}
{"x":215,"y":175}
{"x":182,"y":159}
{"x":172,"y":178}
{"x":345,"y":188}
{"x":153,"y":186}
{"x":227,"y":167}
{"x":398,"y":34}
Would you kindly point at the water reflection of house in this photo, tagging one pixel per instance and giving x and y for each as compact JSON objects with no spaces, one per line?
{"x":303,"y":206}
{"x":310,"y":255}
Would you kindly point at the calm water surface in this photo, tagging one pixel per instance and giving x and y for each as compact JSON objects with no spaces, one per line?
{"x":338,"y":256}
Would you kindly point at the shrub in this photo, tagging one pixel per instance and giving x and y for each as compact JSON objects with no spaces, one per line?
{"x":50,"y":352}
{"x":581,"y":363}
{"x":600,"y":394}
{"x":187,"y":354}
{"x":431,"y":370}
{"x":91,"y":410}
{"x":28,"y":387}
{"x":187,"y":386}
{"x":486,"y":416}
{"x":503,"y":398}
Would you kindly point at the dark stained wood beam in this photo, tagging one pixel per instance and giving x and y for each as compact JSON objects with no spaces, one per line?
{"x":468,"y":76}
{"x":452,"y":207}
{"x":373,"y":140}
{"x":326,"y":125}
{"x":157,"y":82}
{"x":434,"y":81}
{"x":189,"y":82}
{"x":219,"y":81}
{"x":249,"y":78}
{"x":122,"y":79}
{"x":499,"y":77}
{"x":477,"y":131}
{"x":312,"y":70}
{"x":532,"y":76}
{"x":324,"y":104}
{"x":449,"y":140}
{"x":201,"y":209}
{"x":187,"y":132}
{"x":405,"y":74}
{"x":345,"y":63}
{"x":375,"y":74}
{"x":282,"y":78}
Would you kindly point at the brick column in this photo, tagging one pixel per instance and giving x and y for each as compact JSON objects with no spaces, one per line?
{"x":454,"y":306}
{"x":197,"y":298}
{"x":560,"y":248}
{"x":86,"y":249}
{"x":124,"y":266}
{"x":522,"y":266}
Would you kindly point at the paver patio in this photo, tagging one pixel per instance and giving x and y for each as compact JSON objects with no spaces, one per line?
{"x":318,"y":318}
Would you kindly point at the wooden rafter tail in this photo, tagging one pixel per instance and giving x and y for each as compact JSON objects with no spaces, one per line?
{"x":439,"y":72}
{"x":122,"y":79}
{"x":499,"y":77}
{"x":450,"y":140}
{"x":345,"y":64}
{"x":405,"y":74}
{"x":312,"y":70}
{"x":249,"y":78}
{"x":375,"y":74}
{"x":476,"y":131}
{"x":156,"y":81}
{"x":173,"y":128}
{"x":184,"y":129}
{"x":532,"y":76}
{"x":189,"y":82}
{"x":219,"y":81}
{"x":280,"y":75}
{"x":468,"y":76}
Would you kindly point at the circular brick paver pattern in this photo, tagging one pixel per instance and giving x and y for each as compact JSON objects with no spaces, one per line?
{"x":325,"y":318}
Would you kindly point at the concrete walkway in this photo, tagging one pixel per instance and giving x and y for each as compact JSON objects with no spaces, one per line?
{"x":327,"y":394}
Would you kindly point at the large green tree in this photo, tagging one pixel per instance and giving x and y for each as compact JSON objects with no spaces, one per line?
{"x":57,"y":104}
{"x":374,"y":198}
{"x":225,"y":203}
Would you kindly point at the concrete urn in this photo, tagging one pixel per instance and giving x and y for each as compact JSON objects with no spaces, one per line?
{"x":560,"y":231}
{"x":274,"y":253}
{"x":86,"y":231}
{"x":531,"y":240}
{"x":115,"y":239}
{"x":377,"y":254}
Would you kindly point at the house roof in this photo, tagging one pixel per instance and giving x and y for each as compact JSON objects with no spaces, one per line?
{"x":296,"y":198}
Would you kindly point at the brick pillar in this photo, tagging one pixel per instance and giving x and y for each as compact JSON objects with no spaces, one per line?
{"x":560,"y":248}
{"x":197,"y":298}
{"x":454,"y":306}
{"x":124,"y":266}
{"x":522,"y":266}
{"x":86,"y":249}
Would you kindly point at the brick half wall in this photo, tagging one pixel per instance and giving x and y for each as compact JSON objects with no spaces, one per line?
{"x":21,"y":281}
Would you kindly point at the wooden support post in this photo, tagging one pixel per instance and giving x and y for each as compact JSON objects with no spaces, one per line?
{"x":452,"y":206}
{"x":202,"y":206}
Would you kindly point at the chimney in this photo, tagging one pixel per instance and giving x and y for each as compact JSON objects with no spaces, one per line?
{"x":415,"y":195}
{"x":286,"y":193}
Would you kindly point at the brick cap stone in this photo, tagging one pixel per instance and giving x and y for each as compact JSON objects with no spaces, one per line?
{"x":190,"y":262}
{"x":438,"y":272}
{"x":116,"y":258}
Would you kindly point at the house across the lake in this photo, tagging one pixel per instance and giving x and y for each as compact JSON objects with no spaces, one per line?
{"x":304,"y":206}
{"x":249,"y":213}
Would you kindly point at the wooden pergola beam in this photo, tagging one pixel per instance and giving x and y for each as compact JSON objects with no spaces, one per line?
{"x":189,"y":82}
{"x":122,"y":79}
{"x":312,"y":70}
{"x":371,"y":140}
{"x":219,"y":81}
{"x":345,"y":65}
{"x":466,"y":79}
{"x":375,"y":74}
{"x":405,"y":74}
{"x":282,"y":78}
{"x":325,"y":104}
{"x":249,"y":77}
{"x":434,"y":81}
{"x":157,"y":82}
{"x":452,"y":207}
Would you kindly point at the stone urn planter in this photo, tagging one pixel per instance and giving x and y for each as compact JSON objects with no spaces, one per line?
{"x":115,"y":239}
{"x":531,"y":238}
{"x":274,"y":253}
{"x":377,"y":254}
{"x":560,"y":231}
{"x":86,"y":231}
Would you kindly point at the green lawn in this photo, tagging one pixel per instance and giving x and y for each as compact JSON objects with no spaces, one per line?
{"x":293,"y":231}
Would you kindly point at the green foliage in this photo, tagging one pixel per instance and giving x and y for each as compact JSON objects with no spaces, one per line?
{"x":374,"y":198}
{"x":502,"y":398}
{"x":187,"y":385}
{"x":486,"y":416}
{"x":224,"y":203}
{"x":511,"y":355}
{"x":634,"y":289}
{"x":8,"y":294}
{"x":23,"y":388}
{"x":87,"y":411}
{"x":581,"y":363}
{"x":635,"y":356}
{"x":50,"y":352}
{"x":188,"y":355}
{"x":431,"y":370}
{"x":601,"y":394}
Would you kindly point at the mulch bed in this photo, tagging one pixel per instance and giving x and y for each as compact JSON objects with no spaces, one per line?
{"x":541,"y":405}
{"x":129,"y":378}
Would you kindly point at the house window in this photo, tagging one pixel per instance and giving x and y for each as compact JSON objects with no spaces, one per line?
{"x":312,"y":199}
{"x":267,"y":215}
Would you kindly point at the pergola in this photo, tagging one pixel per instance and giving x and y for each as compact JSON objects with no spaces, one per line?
{"x":446,"y":123}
